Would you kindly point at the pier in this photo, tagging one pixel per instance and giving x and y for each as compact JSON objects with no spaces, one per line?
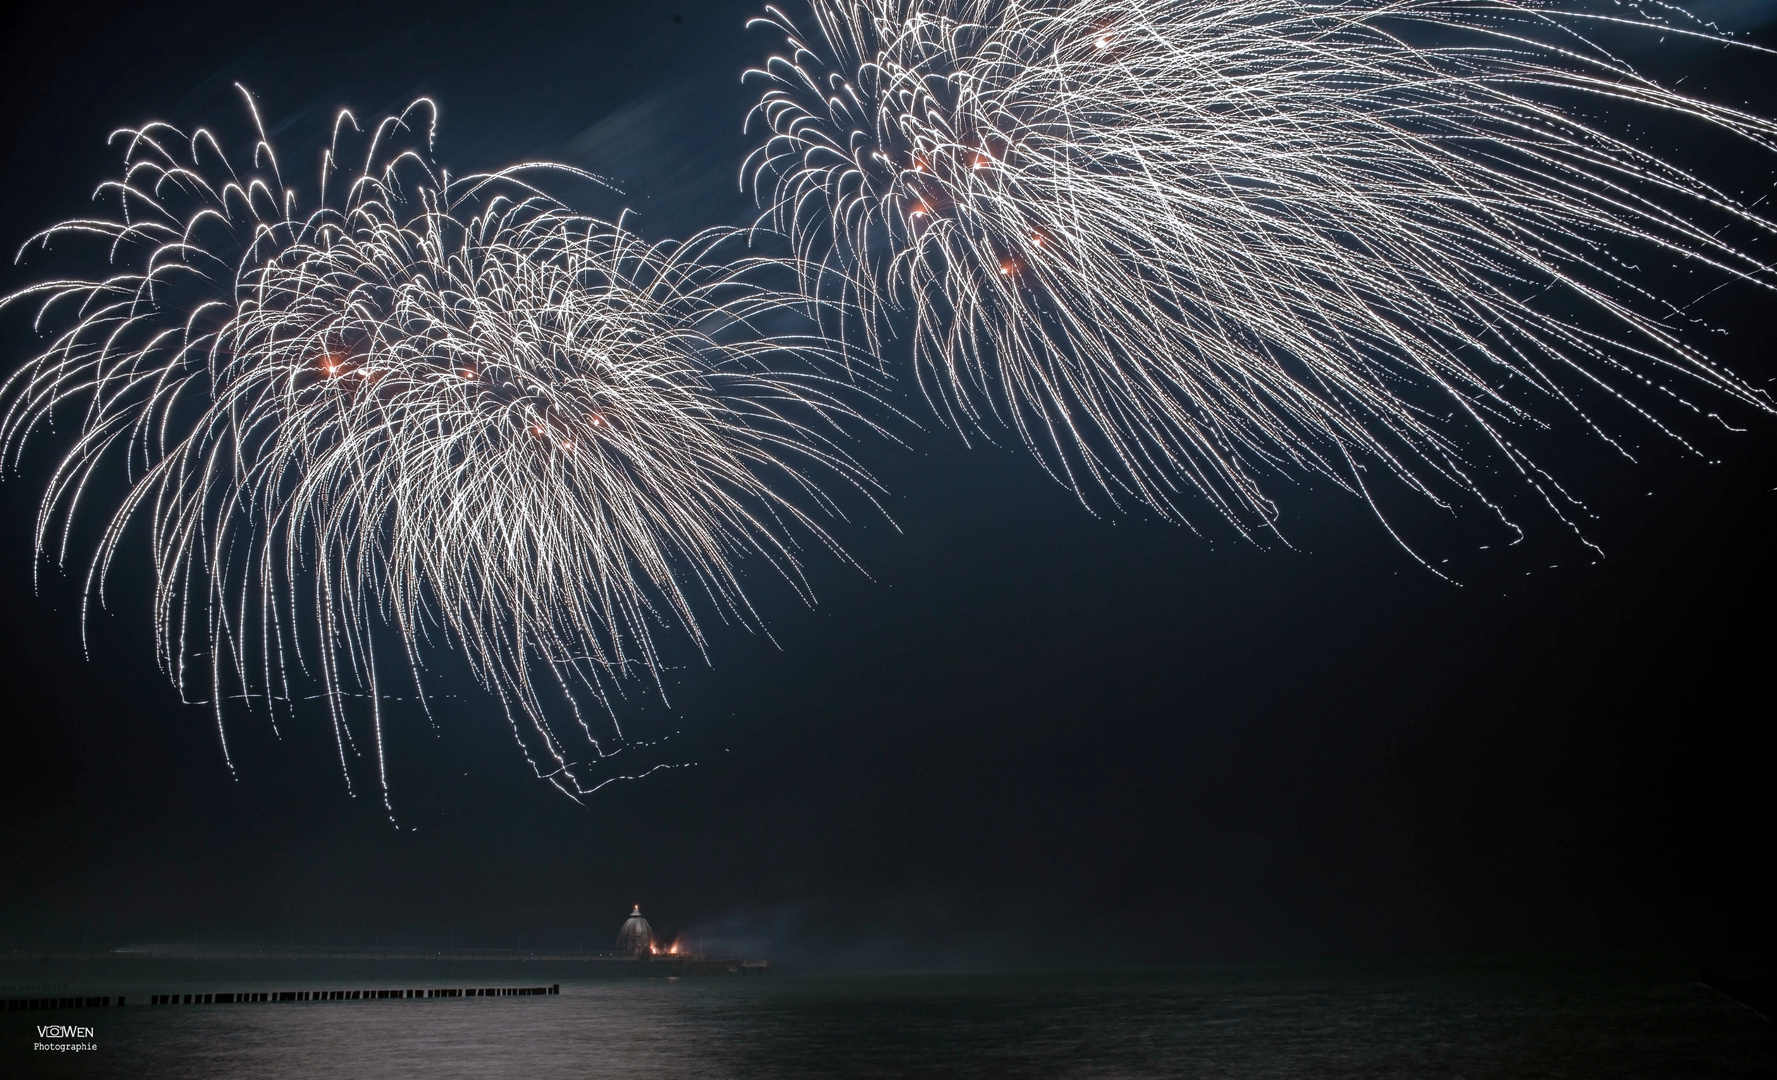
{"x":653,"y":964}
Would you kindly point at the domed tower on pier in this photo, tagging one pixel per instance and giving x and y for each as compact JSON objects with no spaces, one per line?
{"x":637,"y":937}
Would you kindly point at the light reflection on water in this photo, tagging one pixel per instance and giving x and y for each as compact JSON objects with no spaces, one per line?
{"x":1422,"y":1020}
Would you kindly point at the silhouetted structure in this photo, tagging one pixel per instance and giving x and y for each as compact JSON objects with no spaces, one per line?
{"x":637,"y":937}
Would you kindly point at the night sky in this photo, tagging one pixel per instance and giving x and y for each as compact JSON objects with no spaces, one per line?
{"x":1026,"y":734}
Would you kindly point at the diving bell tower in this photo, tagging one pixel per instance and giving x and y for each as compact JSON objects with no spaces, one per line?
{"x":637,"y":937}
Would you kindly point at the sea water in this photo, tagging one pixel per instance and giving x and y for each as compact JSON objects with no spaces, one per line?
{"x":1513,"y":1019}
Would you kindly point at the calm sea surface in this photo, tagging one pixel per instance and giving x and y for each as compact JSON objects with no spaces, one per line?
{"x":1471,"y":1019}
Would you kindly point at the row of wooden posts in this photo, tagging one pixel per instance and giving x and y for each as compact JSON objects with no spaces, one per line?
{"x":34,"y":1004}
{"x":37,"y":1004}
{"x":350,"y":995}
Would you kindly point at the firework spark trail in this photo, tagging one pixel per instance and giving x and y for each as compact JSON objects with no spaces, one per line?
{"x":1186,"y":250}
{"x":443,"y":405}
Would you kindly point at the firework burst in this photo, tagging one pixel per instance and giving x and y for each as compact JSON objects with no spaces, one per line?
{"x":446,"y":406}
{"x":1186,"y":251}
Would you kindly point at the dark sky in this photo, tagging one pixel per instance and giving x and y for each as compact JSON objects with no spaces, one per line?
{"x":1029,"y":735}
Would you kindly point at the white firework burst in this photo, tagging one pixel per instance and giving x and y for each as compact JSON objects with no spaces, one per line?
{"x":1186,"y":251}
{"x":445,"y":406}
